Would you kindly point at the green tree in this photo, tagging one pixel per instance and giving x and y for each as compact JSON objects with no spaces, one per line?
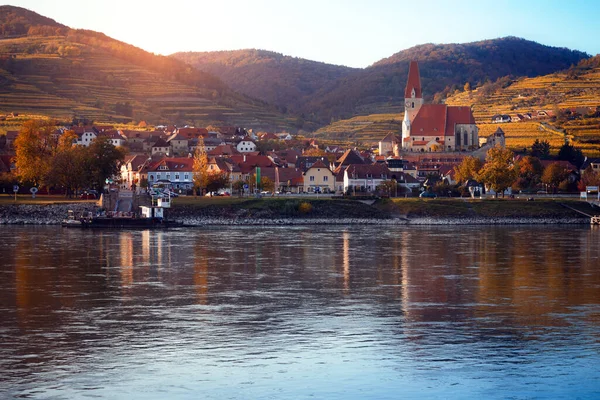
{"x":238,"y":186}
{"x":103,"y":161}
{"x":553,"y":175}
{"x":200,"y":167}
{"x":571,"y":154}
{"x":467,"y":169}
{"x":498,"y":172}
{"x":69,"y":170}
{"x":216,"y":181}
{"x":541,"y":149}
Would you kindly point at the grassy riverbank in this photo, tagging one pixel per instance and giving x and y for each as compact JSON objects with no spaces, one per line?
{"x":384,"y":208}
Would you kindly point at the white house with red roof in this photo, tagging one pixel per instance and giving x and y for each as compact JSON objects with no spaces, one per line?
{"x":435,"y":127}
{"x":365,"y":177}
{"x":246,"y":145}
{"x":179,"y":171}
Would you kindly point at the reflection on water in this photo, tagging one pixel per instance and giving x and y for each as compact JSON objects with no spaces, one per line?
{"x":343,"y":312}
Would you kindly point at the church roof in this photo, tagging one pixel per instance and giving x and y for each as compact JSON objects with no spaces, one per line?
{"x":430,"y":121}
{"x":414,"y":81}
{"x":440,"y":120}
{"x":458,"y":115}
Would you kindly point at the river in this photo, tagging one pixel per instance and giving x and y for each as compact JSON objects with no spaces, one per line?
{"x":300,"y":312}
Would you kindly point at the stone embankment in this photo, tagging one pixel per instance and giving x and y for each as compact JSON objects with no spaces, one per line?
{"x":32,"y":214}
{"x":54,"y":214}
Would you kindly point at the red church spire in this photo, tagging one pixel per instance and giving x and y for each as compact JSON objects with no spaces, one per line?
{"x":414,"y":81}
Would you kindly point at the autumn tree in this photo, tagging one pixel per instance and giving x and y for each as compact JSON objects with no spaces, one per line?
{"x":35,"y":146}
{"x":553,"y":175}
{"x":588,"y":178}
{"x":200,"y":167}
{"x":467,"y":169}
{"x":267,"y":184}
{"x":498,"y":172}
{"x":314,"y":152}
{"x":529,"y":172}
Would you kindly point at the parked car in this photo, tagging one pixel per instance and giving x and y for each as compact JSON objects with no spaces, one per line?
{"x":428,"y":195}
{"x":88,"y":196}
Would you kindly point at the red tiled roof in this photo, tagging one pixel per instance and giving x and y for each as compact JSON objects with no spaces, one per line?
{"x":319,"y":164}
{"x":223,"y":150}
{"x":173,"y":164}
{"x":360,"y":171}
{"x":458,"y":115}
{"x":414,"y":81}
{"x":429,"y":121}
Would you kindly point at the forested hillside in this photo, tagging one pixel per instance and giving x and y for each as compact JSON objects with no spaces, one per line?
{"x":323,"y":92}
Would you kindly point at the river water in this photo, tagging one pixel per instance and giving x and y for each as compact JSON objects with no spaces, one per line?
{"x":300,"y":312}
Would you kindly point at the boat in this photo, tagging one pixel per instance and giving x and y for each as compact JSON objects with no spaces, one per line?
{"x":149,"y":217}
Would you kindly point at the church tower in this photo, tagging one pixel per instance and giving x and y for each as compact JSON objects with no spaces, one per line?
{"x":413,"y":100}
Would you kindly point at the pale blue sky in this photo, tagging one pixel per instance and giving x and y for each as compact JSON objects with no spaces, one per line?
{"x":356,"y":33}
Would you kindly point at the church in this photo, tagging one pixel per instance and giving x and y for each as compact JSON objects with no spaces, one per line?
{"x":434,"y":127}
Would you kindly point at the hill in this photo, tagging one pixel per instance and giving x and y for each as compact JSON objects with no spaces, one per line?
{"x":285,"y":81}
{"x":571,"y":97}
{"x":324,"y":92}
{"x":49,"y":69}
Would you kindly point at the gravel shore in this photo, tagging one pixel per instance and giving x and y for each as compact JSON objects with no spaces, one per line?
{"x":54,"y":214}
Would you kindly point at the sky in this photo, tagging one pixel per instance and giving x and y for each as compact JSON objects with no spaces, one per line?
{"x":355,"y":33}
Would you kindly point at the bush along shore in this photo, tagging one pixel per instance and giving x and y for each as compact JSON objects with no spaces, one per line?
{"x":329,"y":212}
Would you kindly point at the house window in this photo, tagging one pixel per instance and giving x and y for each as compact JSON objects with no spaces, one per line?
{"x":186,"y":177}
{"x":151,"y":178}
{"x":168,"y":176}
{"x":158,"y":176}
{"x":177,"y":178}
{"x":325,"y":178}
{"x":312,"y":178}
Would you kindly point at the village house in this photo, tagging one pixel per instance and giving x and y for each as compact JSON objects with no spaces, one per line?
{"x":115,"y":137}
{"x":501,"y":118}
{"x":178,"y":172}
{"x":319,"y":178}
{"x":246,"y":145}
{"x":85,"y":135}
{"x":364,"y":177}
{"x":179,"y":143}
{"x":161,"y":147}
{"x":133,"y":171}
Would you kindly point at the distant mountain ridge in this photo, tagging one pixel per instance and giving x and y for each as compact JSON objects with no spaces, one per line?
{"x":340,"y":92}
{"x":285,"y":81}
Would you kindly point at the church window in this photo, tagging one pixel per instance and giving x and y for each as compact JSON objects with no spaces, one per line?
{"x":413,"y":104}
{"x":466,"y":137}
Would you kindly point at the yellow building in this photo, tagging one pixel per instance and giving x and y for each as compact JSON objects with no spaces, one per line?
{"x":319,"y":178}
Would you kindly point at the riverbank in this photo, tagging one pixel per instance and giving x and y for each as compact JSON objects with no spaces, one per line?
{"x":208,"y":212}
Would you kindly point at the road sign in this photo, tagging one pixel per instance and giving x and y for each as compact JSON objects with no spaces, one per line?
{"x":246,"y":187}
{"x":33,"y":191}
{"x":15,"y":188}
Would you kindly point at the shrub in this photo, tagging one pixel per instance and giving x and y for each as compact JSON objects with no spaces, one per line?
{"x":305,"y":207}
